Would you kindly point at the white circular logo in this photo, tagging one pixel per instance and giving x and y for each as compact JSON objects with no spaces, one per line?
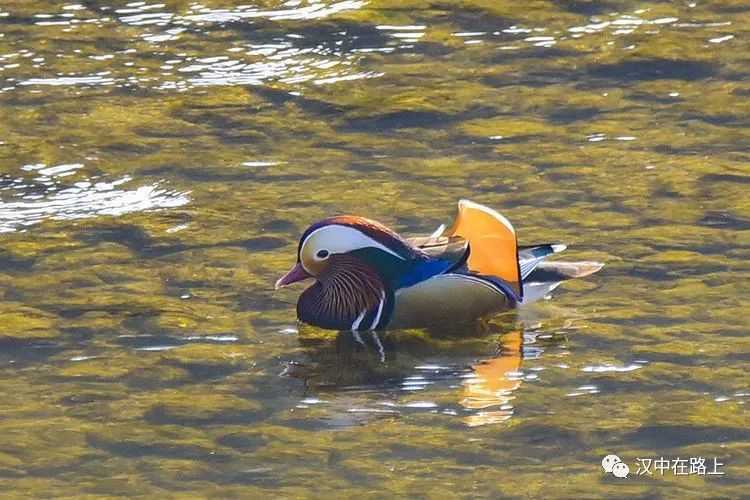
{"x":609,"y":462}
{"x":620,"y":469}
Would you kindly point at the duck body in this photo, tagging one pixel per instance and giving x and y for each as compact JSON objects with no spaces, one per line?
{"x":370,"y":278}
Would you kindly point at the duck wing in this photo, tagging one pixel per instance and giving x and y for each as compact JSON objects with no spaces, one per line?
{"x":454,"y":248}
{"x":442,"y":290}
{"x":441,"y":255}
{"x":529,"y":257}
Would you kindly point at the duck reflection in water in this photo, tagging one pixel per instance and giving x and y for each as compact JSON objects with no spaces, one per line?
{"x":471,"y":374}
{"x":491,"y":388}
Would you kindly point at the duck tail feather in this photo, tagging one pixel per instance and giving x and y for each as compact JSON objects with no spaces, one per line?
{"x":554,"y":271}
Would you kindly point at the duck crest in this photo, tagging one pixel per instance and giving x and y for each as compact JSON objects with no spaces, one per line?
{"x":370,"y":228}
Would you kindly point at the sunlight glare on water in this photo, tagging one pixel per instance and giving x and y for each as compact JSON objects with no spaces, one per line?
{"x":58,"y":193}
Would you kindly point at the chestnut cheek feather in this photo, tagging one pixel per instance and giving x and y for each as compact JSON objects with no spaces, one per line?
{"x":345,"y":289}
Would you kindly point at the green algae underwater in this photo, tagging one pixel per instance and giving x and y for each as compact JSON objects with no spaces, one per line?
{"x":158,"y":162}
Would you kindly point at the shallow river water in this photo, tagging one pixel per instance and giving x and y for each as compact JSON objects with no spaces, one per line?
{"x":158,"y":162}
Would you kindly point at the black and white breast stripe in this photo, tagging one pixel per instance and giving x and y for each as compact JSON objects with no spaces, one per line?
{"x":374,"y":318}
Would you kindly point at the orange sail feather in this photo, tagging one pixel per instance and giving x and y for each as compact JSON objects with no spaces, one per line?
{"x":492,"y":242}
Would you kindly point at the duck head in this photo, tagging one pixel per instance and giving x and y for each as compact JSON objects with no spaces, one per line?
{"x":355,"y":263}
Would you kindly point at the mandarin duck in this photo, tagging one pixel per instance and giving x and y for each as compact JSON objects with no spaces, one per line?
{"x":367,"y":277}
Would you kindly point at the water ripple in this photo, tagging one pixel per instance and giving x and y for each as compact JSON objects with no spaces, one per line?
{"x":253,"y":45}
{"x":48,"y":194}
{"x":315,"y":10}
{"x":279,"y":61}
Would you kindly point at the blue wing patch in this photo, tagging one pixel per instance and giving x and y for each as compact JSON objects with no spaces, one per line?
{"x":424,"y":270}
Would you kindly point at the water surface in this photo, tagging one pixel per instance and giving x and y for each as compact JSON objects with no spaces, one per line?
{"x":159,"y":160}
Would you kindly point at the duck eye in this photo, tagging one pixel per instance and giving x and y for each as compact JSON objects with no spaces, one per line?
{"x":322,"y":254}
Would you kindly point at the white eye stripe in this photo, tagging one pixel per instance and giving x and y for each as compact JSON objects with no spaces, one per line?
{"x":341,"y":239}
